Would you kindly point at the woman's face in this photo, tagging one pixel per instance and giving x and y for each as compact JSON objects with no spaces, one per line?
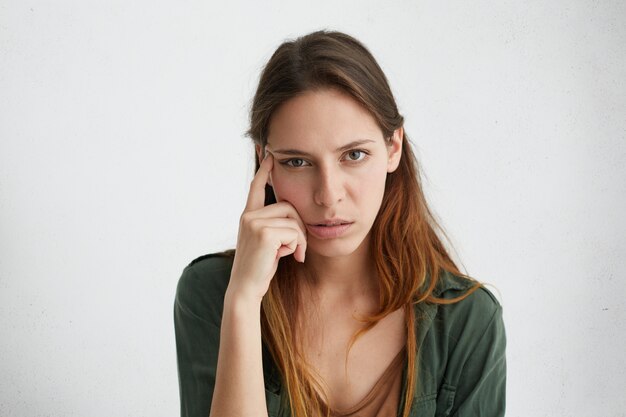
{"x":330,"y":163}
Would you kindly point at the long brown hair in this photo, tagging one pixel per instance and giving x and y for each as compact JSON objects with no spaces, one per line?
{"x":407,"y":252}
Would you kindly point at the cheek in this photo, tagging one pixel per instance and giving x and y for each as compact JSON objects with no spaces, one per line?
{"x":288,"y":189}
{"x":371,"y":182}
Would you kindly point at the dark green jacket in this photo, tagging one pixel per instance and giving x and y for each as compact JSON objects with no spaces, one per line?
{"x":461,"y":359}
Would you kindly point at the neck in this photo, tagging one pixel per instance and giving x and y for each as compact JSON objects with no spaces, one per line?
{"x":346,"y":276}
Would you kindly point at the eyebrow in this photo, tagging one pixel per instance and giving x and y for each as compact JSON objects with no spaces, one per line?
{"x":345,"y":147}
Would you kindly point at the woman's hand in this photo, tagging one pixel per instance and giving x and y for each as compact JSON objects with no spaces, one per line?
{"x":266,"y":233}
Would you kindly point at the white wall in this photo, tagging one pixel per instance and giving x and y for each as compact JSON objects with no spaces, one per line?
{"x":122,"y":158}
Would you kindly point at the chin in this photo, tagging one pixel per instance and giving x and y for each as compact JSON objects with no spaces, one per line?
{"x":332,"y":248}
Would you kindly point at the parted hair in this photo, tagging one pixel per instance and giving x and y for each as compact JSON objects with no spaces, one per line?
{"x":406,"y":249}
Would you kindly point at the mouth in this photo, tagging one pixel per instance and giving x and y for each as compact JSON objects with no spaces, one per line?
{"x":329,"y":229}
{"x":332,"y":223}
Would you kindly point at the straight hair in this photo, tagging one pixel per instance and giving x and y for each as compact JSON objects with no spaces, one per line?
{"x":407,"y":252}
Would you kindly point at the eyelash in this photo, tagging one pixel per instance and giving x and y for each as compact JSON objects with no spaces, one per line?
{"x":287,"y":162}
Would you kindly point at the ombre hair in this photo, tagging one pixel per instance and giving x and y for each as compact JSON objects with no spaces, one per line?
{"x":406,"y":250}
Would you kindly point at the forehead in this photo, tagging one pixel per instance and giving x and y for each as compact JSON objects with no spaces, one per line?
{"x":321,"y":118}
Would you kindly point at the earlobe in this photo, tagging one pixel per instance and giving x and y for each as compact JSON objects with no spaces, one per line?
{"x":394,"y":149}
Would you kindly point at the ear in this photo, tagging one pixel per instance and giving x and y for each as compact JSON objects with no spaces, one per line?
{"x":261,"y":156}
{"x":394,"y":149}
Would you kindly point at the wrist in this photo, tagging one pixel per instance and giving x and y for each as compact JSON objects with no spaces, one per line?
{"x":246,"y":302}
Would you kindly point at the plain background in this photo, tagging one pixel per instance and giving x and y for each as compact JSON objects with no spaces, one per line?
{"x":122,"y":158}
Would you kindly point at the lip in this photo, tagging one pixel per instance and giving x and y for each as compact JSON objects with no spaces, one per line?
{"x":329,"y":229}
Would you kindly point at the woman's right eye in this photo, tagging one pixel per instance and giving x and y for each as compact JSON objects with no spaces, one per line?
{"x":295,"y":162}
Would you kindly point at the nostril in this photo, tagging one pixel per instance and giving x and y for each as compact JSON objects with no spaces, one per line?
{"x":329,"y":193}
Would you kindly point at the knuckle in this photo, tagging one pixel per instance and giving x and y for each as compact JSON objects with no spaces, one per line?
{"x":285,"y":205}
{"x":293,"y":213}
{"x":255,"y":224}
{"x":244,"y":218}
{"x":265,"y":234}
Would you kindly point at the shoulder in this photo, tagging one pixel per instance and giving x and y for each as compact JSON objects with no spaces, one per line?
{"x":202,"y":285}
{"x":480,"y":302}
{"x":213,"y":263}
{"x":471,"y":326}
{"x":464,"y":322}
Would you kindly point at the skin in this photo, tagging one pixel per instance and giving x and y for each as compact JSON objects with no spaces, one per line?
{"x":322,"y":181}
{"x":315,"y":176}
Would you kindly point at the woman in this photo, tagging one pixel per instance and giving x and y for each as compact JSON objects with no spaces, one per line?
{"x":340,"y":299}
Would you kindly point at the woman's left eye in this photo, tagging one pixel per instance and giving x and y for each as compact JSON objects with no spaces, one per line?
{"x":356,"y":155}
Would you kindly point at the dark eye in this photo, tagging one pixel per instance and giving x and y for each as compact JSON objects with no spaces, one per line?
{"x":296,"y":163}
{"x":356,"y":155}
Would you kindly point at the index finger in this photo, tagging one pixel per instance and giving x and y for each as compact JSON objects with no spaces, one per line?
{"x":256,"y":197}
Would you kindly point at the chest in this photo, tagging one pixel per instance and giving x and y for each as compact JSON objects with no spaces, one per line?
{"x":350,"y":376}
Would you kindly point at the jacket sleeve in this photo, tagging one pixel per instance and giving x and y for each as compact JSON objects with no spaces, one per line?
{"x":197,"y":345}
{"x":480,"y":388}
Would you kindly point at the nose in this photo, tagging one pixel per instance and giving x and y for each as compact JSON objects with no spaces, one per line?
{"x":330,"y":189}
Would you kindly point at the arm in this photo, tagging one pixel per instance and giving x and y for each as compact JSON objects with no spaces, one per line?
{"x":197,"y":340}
{"x":266,"y":233}
{"x":239,"y":387}
{"x":202,"y":307}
